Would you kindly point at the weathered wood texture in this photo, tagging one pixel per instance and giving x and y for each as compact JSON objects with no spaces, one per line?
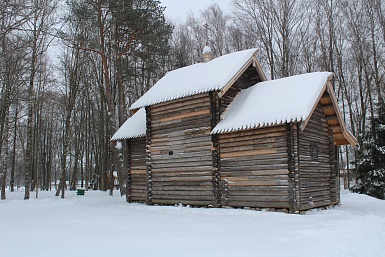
{"x":181,"y":151}
{"x":216,"y":174}
{"x":249,"y":78}
{"x":254,"y":168}
{"x":137,"y":170}
{"x":148,"y":156}
{"x":291,"y":135}
{"x":317,"y":177}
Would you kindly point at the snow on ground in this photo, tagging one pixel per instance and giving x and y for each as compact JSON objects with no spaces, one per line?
{"x":100,"y":225}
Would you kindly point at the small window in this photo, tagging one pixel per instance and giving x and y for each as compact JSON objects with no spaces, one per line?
{"x":170,"y":152}
{"x":314,"y":152}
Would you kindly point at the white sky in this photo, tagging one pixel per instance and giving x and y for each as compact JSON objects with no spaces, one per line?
{"x":178,"y":9}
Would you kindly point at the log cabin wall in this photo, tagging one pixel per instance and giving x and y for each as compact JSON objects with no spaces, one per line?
{"x":254,"y":168}
{"x":181,"y":151}
{"x":317,"y":176}
{"x":136,"y":184}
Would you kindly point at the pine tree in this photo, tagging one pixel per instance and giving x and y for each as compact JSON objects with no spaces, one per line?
{"x":371,"y":164}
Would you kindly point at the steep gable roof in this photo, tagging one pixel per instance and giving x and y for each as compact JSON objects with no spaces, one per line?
{"x":291,"y":99}
{"x":134,"y":127}
{"x":198,"y":78}
{"x":273,"y":102}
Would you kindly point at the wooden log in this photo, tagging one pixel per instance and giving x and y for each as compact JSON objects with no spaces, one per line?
{"x":257,"y":204}
{"x":168,"y":139}
{"x":182,"y":188}
{"x":256,"y":172}
{"x":252,"y":141}
{"x":235,"y":178}
{"x":176,"y":119}
{"x":184,"y":202}
{"x":265,"y":198}
{"x":182,"y":174}
{"x":188,"y":107}
{"x":249,"y":153}
{"x":229,"y":137}
{"x":273,"y":146}
{"x":184,"y":183}
{"x":239,"y":193}
{"x":181,"y":155}
{"x":170,"y":105}
{"x":198,"y":194}
{"x":277,"y":156}
{"x":183,"y":128}
{"x":182,"y":179}
{"x":315,"y":183}
{"x":257,"y":183}
{"x":179,"y":169}
{"x":180,"y":162}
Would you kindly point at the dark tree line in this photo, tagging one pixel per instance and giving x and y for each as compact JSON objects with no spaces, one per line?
{"x":56,"y":118}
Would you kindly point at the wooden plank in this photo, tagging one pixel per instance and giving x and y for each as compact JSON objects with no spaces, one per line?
{"x":179,"y":169}
{"x":252,"y":141}
{"x":226,"y":137}
{"x":239,"y":148}
{"x":183,"y":174}
{"x":270,"y":158}
{"x":183,"y":107}
{"x":184,"y":202}
{"x":182,"y":188}
{"x":181,"y":162}
{"x":329,"y":109}
{"x":185,"y":183}
{"x":180,"y":102}
{"x":182,"y":179}
{"x":281,"y":193}
{"x":264,"y":198}
{"x":257,"y":204}
{"x":255,"y":168}
{"x":249,"y":153}
{"x":183,"y":194}
{"x":256,"y":172}
{"x":250,"y":162}
{"x":180,"y":156}
{"x":256,"y":183}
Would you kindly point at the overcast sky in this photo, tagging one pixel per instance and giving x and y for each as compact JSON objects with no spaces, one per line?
{"x":178,"y":9}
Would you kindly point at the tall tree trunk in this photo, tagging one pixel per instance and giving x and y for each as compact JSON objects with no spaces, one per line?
{"x":4,"y":158}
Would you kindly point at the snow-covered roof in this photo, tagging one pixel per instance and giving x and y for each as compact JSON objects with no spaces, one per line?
{"x":274,"y":102}
{"x":134,"y":127}
{"x":196,"y":79}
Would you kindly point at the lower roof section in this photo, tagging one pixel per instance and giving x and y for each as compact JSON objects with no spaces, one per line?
{"x":134,"y":127}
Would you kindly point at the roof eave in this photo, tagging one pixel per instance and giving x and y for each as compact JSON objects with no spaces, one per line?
{"x":252,"y":60}
{"x":350,"y":139}
{"x":126,"y":138}
{"x":304,"y":123}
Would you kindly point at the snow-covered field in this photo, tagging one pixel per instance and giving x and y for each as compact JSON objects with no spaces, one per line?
{"x":100,"y":225}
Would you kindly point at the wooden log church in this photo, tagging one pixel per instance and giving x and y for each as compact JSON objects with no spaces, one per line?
{"x":219,"y":134}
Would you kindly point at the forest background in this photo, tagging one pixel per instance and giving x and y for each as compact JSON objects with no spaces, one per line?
{"x":57,"y":117}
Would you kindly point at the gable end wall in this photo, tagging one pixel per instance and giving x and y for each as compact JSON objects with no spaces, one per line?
{"x":318,"y":179}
